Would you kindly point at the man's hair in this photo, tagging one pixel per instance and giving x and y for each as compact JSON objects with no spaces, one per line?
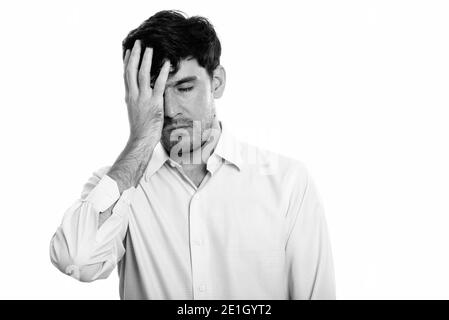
{"x":175,"y":37}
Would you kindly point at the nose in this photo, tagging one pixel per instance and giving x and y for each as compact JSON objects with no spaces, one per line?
{"x":171,"y":105}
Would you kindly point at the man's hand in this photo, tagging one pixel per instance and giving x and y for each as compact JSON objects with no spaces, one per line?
{"x":146,"y":117}
{"x":145,"y":105}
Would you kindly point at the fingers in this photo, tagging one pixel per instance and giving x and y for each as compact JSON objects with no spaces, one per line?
{"x":159,"y":86}
{"x":139,"y":81}
{"x":125,"y":64}
{"x":131,"y":69}
{"x":126,"y":59}
{"x":144,"y":72}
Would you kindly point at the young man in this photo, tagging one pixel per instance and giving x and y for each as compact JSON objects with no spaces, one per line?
{"x":187,"y":211}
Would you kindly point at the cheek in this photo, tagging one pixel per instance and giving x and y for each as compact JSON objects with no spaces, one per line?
{"x":200,"y":102}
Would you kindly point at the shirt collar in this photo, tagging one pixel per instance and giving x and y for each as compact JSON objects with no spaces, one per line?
{"x":158,"y":158}
{"x":228,"y":149}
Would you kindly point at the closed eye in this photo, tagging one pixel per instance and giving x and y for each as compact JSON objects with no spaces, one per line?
{"x":185,"y":89}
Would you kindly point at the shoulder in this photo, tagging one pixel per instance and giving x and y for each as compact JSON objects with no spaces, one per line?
{"x":281,"y":173}
{"x":280,"y":177}
{"x":268,"y":162}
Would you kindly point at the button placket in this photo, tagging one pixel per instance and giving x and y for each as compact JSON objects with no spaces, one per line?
{"x":198,"y":253}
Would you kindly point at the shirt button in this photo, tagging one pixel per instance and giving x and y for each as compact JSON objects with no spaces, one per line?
{"x":202,"y":288}
{"x":197,"y":242}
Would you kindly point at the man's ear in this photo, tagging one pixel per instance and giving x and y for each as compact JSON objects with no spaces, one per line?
{"x":218,"y":81}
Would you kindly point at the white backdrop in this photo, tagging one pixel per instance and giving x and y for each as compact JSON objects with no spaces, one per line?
{"x":357,"y":90}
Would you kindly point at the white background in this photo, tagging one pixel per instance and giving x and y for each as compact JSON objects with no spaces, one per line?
{"x":357,"y":90}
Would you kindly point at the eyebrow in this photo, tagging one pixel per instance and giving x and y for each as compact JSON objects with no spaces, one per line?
{"x":181,"y":81}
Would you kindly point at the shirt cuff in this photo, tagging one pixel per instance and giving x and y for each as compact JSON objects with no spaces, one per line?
{"x":104,"y":194}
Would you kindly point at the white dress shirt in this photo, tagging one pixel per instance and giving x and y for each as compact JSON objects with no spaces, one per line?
{"x":253,"y":229}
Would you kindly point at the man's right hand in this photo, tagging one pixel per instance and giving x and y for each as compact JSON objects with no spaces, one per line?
{"x":145,"y":105}
{"x":146,"y":117}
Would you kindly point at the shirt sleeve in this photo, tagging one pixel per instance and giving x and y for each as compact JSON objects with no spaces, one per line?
{"x":308,"y":251}
{"x":79,"y":248}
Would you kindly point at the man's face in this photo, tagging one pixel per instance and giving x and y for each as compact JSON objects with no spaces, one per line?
{"x":188,"y":104}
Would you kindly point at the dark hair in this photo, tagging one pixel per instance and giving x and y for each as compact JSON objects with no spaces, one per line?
{"x":175,"y":37}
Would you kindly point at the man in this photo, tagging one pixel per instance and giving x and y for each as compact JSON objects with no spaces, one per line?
{"x":187,"y":211}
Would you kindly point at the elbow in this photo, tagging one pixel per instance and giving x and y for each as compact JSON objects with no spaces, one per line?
{"x":87,"y":273}
{"x":78,"y":271}
{"x":73,"y":267}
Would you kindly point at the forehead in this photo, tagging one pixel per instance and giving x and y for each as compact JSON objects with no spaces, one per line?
{"x":187,"y":68}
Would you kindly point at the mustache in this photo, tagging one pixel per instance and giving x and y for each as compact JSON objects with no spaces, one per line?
{"x":170,"y":122}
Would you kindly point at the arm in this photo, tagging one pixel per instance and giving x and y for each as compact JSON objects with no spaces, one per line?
{"x":89,"y":242}
{"x":80,"y":248}
{"x":128,"y":170}
{"x":146,"y":115}
{"x":308,"y":250}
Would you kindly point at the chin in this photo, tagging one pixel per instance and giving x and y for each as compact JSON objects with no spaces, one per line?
{"x":184,"y":146}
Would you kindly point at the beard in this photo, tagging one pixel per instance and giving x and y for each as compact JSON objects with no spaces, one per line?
{"x":185,"y":134}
